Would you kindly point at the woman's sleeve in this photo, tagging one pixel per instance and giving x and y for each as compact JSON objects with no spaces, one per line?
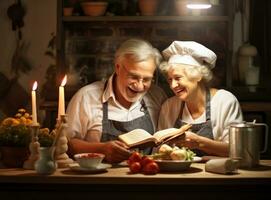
{"x":230,"y":113}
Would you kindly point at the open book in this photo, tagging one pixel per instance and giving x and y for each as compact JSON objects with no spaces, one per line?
{"x":141,"y":138}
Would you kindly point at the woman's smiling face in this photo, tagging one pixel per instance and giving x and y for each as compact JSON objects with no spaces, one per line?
{"x":181,"y":84}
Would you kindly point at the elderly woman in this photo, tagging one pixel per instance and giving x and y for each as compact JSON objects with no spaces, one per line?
{"x":209,"y":110}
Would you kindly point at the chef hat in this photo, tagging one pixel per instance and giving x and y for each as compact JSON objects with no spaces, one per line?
{"x":189,"y":53}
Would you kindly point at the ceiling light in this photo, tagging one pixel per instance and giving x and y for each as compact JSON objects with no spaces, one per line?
{"x":199,"y":4}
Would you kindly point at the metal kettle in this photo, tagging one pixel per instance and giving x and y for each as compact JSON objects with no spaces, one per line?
{"x":245,"y":140}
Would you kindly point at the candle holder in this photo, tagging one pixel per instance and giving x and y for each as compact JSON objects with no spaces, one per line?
{"x":33,"y":147}
{"x":61,"y":143}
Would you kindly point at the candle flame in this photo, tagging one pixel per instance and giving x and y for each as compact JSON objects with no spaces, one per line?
{"x":64,"y":81}
{"x":35,"y":85}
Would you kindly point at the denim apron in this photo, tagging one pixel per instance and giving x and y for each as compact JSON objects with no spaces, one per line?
{"x":203,"y":129}
{"x":111,"y":129}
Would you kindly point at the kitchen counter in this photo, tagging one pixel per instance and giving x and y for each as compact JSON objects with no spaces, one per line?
{"x":194,"y":183}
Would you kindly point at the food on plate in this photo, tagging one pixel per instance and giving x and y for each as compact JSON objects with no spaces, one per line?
{"x":165,"y":149}
{"x":179,"y":154}
{"x":166,"y":152}
{"x":89,"y":160}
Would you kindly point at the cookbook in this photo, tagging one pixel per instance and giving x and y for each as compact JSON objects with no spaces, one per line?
{"x":141,"y":138}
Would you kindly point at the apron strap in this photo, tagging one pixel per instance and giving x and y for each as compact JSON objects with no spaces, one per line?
{"x":208,"y":105}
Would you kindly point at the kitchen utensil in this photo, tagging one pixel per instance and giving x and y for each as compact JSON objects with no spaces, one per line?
{"x":244,"y":139}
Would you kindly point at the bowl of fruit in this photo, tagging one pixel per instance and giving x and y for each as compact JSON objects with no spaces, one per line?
{"x":174,"y":159}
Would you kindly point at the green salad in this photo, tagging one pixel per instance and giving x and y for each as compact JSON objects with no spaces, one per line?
{"x":167,"y":152}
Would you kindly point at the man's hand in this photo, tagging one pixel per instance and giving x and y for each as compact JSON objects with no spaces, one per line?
{"x":116,"y":151}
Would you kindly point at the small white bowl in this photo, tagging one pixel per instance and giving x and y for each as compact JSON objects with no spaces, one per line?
{"x":89,"y":160}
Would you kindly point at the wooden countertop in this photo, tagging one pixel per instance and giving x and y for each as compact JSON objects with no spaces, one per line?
{"x":117,"y":183}
{"x":120,"y":175}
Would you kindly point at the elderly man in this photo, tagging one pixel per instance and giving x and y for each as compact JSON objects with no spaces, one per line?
{"x":98,"y":113}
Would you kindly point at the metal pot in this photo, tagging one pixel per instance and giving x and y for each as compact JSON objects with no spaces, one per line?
{"x":244,"y":139}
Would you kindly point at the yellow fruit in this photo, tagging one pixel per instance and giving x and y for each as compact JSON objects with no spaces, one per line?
{"x":15,"y":122}
{"x":7,"y":121}
{"x":26,"y":115}
{"x":23,"y":120}
{"x":29,"y":121}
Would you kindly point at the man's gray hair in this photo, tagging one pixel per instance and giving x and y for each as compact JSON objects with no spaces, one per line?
{"x":139,"y":50}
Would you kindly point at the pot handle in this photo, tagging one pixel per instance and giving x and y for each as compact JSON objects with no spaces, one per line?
{"x":265,"y":136}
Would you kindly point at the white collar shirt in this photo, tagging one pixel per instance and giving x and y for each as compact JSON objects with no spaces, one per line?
{"x":85,"y":110}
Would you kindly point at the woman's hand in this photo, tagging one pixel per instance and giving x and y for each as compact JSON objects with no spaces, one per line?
{"x":189,"y":140}
{"x":115,"y":151}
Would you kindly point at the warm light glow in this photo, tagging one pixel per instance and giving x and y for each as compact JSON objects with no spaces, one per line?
{"x":34,"y":103}
{"x":64,"y":81}
{"x":199,"y":6}
{"x":35,"y":85}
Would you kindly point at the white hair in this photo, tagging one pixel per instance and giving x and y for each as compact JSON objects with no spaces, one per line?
{"x":191,"y":71}
{"x":139,"y":50}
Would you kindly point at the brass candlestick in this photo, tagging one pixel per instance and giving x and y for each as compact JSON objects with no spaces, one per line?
{"x":61,"y":143}
{"x":33,"y":147}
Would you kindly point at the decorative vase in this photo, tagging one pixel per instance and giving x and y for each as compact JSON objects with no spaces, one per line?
{"x":148,"y":7}
{"x":67,"y":11}
{"x":246,"y":53}
{"x":14,"y":157}
{"x":46,"y":164}
{"x":94,"y":9}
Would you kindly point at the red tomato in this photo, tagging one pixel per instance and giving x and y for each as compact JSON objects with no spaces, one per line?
{"x":135,"y":167}
{"x":135,"y":157}
{"x":151,"y":168}
{"x":145,"y":160}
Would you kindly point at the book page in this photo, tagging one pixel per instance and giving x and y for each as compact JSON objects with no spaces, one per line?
{"x":160,"y":135}
{"x":171,"y":132}
{"x":136,"y":136}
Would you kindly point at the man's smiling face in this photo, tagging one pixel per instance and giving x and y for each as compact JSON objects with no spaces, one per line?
{"x":133,"y":79}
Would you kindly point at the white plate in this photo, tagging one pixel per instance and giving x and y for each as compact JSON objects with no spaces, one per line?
{"x":100,"y":168}
{"x":175,"y":165}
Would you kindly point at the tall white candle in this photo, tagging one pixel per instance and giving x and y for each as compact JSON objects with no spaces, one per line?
{"x":34,"y":103}
{"x":61,"y":98}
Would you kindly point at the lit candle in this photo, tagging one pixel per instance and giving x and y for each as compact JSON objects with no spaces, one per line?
{"x":61,"y":98}
{"x":34,"y":103}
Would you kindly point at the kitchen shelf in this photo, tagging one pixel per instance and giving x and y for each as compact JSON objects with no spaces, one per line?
{"x":146,"y":18}
{"x":159,"y":29}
